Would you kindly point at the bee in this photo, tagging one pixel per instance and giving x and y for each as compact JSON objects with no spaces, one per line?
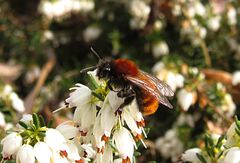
{"x":132,"y":82}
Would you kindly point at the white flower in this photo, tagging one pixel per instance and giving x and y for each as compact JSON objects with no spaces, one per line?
{"x":199,"y":8}
{"x":2,"y":120}
{"x":232,"y":16}
{"x":57,"y":158}
{"x":85,"y":116}
{"x":111,"y":103}
{"x":185,"y":99}
{"x":17,"y":103}
{"x":42,"y":152}
{"x":140,"y":11}
{"x":232,"y":137}
{"x":73,"y":153}
{"x":67,"y":129}
{"x":25,"y":154}
{"x":108,"y":154}
{"x":236,"y":78}
{"x":54,"y":139}
{"x":80,"y":96}
{"x":130,"y":121}
{"x":7,"y":90}
{"x":124,"y":143}
{"x":228,"y":106}
{"x":190,"y":155}
{"x":233,"y":155}
{"x":159,"y":49}
{"x":91,"y":33}
{"x":11,"y":144}
{"x":48,"y":35}
{"x":27,"y":119}
{"x":158,"y":25}
{"x":88,"y":149}
{"x":176,"y":9}
{"x":214,"y":23}
{"x":169,"y":145}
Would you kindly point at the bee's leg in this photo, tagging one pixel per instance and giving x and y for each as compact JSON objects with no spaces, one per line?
{"x":129,"y":97}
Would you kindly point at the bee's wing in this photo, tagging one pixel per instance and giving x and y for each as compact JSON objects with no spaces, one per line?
{"x":145,"y":83}
{"x":162,"y":87}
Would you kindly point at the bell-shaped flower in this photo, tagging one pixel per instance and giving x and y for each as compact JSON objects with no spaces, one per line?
{"x":17,"y":103}
{"x":85,"y":116}
{"x":67,"y":129}
{"x":107,"y":154}
{"x":59,"y":158}
{"x":232,"y":137}
{"x":79,"y":97}
{"x":73,"y":153}
{"x":185,"y":99}
{"x":190,"y":155}
{"x":27,"y":119}
{"x":88,"y":150}
{"x":25,"y":154}
{"x":108,"y":117}
{"x":232,"y":155}
{"x":42,"y":152}
{"x":54,"y":139}
{"x":124,"y":143}
{"x":98,"y":133}
{"x":11,"y":144}
{"x":131,"y":123}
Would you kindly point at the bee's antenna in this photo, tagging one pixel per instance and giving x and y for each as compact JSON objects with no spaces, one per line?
{"x":96,"y":54}
{"x":88,"y":69}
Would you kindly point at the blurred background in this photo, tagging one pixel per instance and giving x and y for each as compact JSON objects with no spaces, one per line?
{"x":192,"y":45}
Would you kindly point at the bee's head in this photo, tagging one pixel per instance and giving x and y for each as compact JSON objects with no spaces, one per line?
{"x":104,"y":70}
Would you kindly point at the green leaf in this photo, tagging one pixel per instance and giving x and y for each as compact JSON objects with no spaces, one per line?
{"x":42,"y":121}
{"x":50,"y":123}
{"x":201,"y":158}
{"x":24,"y":125}
{"x":219,"y":142}
{"x":36,"y":120}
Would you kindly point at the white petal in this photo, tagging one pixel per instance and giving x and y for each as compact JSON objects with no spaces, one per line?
{"x":190,"y":155}
{"x":11,"y":144}
{"x":185,"y":99}
{"x":107,"y":119}
{"x":80,"y":96}
{"x":54,"y":139}
{"x":114,"y":100}
{"x":233,"y":155}
{"x":17,"y":103}
{"x":26,"y":154}
{"x":2,"y":120}
{"x":124,"y":143}
{"x":67,"y":130}
{"x":42,"y":152}
{"x":73,"y":152}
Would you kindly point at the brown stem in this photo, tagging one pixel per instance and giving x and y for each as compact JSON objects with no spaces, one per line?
{"x":30,"y":99}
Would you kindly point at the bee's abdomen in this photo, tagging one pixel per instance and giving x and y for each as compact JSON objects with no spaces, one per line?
{"x":148,"y":103}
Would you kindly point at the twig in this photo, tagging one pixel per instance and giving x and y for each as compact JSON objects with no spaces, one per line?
{"x":30,"y":99}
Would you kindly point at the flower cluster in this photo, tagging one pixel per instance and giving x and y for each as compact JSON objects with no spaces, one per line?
{"x":101,"y":130}
{"x":102,"y":122}
{"x":61,"y":8}
{"x":34,"y":141}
